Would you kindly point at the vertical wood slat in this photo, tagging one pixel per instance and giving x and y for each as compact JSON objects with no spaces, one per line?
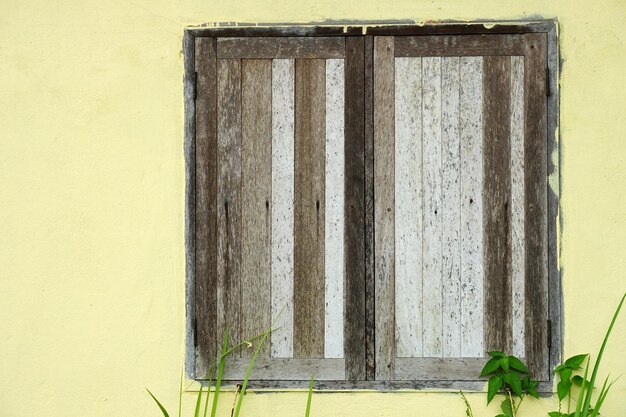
{"x":309,"y":208}
{"x":471,"y":176}
{"x":206,"y":203}
{"x":334,"y":211}
{"x":384,"y":205}
{"x":229,"y":196}
{"x":517,"y":205}
{"x":497,"y":204}
{"x":535,"y":164}
{"x":354,"y":209}
{"x":450,"y":206}
{"x":408,"y":206}
{"x":256,"y":192}
{"x":432,"y":249}
{"x":282,"y":206}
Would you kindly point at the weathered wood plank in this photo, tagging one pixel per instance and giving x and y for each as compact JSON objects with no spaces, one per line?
{"x":496,"y":200}
{"x":384,"y":205}
{"x":354,"y":209}
{"x":444,"y":369}
{"x":256,"y":194}
{"x":206,"y":204}
{"x":229,"y":196}
{"x":282,"y":206}
{"x":277,"y":47}
{"x":432,"y":249}
{"x":334,"y":211}
{"x":309,"y":208}
{"x":408,"y":206}
{"x":471,"y":127}
{"x":286,"y":369}
{"x":455,"y":45}
{"x":518,"y":250}
{"x":535,"y":162}
{"x":451,"y":207}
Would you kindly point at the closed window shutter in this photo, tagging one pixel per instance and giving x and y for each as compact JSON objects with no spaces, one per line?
{"x":460,"y":189}
{"x":280,"y":204}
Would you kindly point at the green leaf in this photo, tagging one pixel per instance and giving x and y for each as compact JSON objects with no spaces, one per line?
{"x":504,"y":363}
{"x":516,"y":384}
{"x":495,"y":382}
{"x":308,"y":401}
{"x":159,"y":404}
{"x":506,"y":378}
{"x":500,"y":415}
{"x":507,"y":408}
{"x":533,"y":393}
{"x":556,"y":414}
{"x":517,"y":364}
{"x":578,"y":380}
{"x":490,"y":367}
{"x":496,"y":354}
{"x":563,"y":388}
{"x":575,"y":361}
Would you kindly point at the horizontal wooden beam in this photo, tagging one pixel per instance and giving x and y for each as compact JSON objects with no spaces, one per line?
{"x":460,"y":45}
{"x":285,"y":369}
{"x":445,"y":369}
{"x":272,"y":47}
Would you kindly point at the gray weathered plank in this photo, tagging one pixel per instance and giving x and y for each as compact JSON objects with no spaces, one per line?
{"x":285,"y":369}
{"x":451,"y":207}
{"x":282,"y":206}
{"x":408,"y":206}
{"x":256,"y":194}
{"x":206,"y":204}
{"x":444,"y":369}
{"x":309,"y":208}
{"x":334,"y":211}
{"x":354,"y":211}
{"x":384,"y":205}
{"x":281,"y":47}
{"x":518,"y":250}
{"x":459,"y":45}
{"x":228,"y":196}
{"x":471,"y":127}
{"x":432,"y":248}
{"x":496,"y":200}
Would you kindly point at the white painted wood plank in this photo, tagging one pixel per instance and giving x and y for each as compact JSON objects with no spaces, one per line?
{"x":472,"y":271}
{"x":451,"y":206}
{"x":432,"y":281}
{"x":282,"y":206}
{"x":517,"y":204}
{"x":408,"y":206}
{"x":334,"y":219}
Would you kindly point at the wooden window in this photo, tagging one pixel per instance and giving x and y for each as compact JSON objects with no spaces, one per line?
{"x":384,"y":198}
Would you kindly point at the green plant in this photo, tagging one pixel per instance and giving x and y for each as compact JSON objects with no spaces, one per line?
{"x":509,"y":376}
{"x":567,"y":381}
{"x":468,"y":407}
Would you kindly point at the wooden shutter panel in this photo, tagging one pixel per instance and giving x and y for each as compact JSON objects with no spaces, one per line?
{"x":280,"y":204}
{"x":460,"y":197}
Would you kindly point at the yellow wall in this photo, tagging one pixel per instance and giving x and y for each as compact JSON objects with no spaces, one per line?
{"x":92,"y":197}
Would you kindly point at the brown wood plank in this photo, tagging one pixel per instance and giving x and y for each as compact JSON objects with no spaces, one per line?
{"x":535,"y":156}
{"x":444,"y":369}
{"x":228,"y":197}
{"x":289,"y":47}
{"x":310,"y":97}
{"x":496,"y":202}
{"x":206,"y":204}
{"x":256,"y":195}
{"x":354,"y":209}
{"x":464,"y":45}
{"x":286,"y":369}
{"x":370,"y":294}
{"x":384,"y":205}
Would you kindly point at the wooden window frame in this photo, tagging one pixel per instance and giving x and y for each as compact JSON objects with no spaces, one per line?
{"x":368,"y":30}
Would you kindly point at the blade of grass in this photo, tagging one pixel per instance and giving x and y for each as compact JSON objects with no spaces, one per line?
{"x":208,"y":391}
{"x":597,"y":365}
{"x":308,"y":400}
{"x":581,"y":394}
{"x":220,"y":373}
{"x":180,"y":393}
{"x":601,"y":397}
{"x":249,"y":371}
{"x":196,"y":412}
{"x":165,"y":414}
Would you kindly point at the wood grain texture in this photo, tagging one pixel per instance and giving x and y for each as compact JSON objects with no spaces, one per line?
{"x":206,"y":204}
{"x":497,"y":202}
{"x":229,"y":197}
{"x":384,"y":205}
{"x":518,"y":249}
{"x":535,"y":159}
{"x":256,"y":195}
{"x":281,"y":47}
{"x":408,"y":206}
{"x":432,"y":249}
{"x":285,"y":369}
{"x":444,"y":369}
{"x":282,"y":206}
{"x":454,"y":45}
{"x":451,"y":207}
{"x":334,"y":211}
{"x":354,"y":210}
{"x":309,"y":208}
{"x":472,"y":272}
